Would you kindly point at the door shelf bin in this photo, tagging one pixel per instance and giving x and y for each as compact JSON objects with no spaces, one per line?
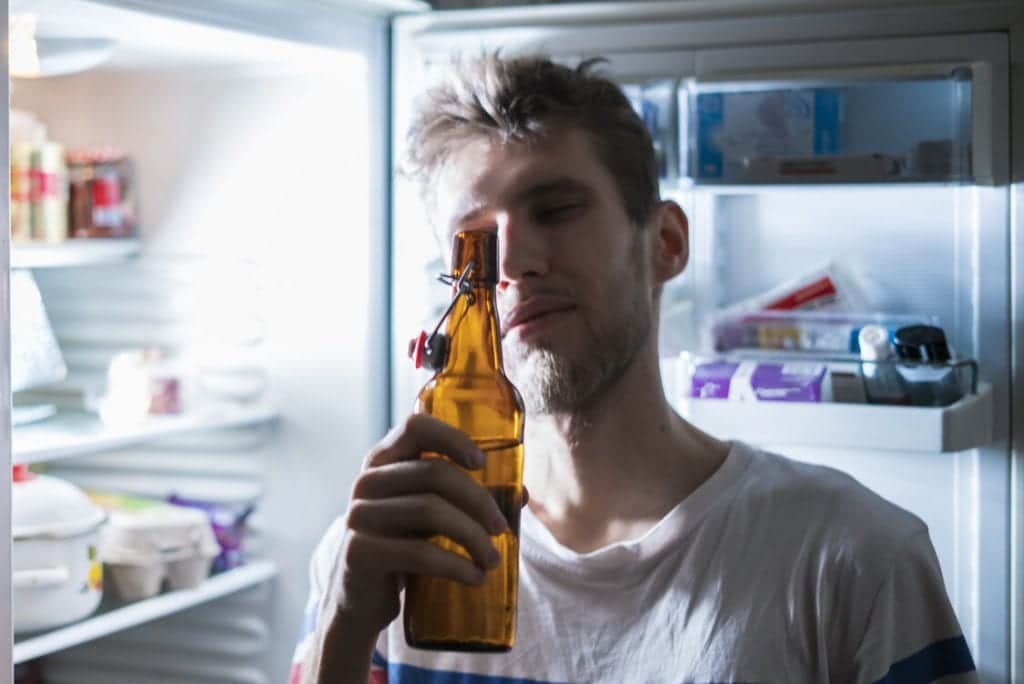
{"x":967,"y":424}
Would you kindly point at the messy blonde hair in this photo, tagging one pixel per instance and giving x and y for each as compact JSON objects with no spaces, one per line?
{"x":522,"y":99}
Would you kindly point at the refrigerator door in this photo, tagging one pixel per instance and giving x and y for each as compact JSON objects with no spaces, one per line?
{"x":6,"y":627}
{"x":929,"y":248}
{"x":932,"y":245}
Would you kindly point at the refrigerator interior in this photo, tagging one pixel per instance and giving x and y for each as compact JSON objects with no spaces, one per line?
{"x":911,"y":244}
{"x":261,"y":265}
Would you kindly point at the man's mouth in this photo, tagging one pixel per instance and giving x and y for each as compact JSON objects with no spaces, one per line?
{"x":535,"y":315}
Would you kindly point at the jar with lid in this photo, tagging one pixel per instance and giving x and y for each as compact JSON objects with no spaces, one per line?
{"x":102,"y":193}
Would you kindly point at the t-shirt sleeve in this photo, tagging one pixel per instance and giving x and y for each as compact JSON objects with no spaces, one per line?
{"x":306,"y":658}
{"x":912,"y":635}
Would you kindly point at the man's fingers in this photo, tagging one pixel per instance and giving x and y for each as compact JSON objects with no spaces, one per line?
{"x":433,"y":475}
{"x":421,"y":433}
{"x":370,"y":553}
{"x":423,"y":515}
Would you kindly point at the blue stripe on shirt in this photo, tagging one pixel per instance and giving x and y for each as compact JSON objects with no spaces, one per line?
{"x":408,"y":674}
{"x":942,"y":658}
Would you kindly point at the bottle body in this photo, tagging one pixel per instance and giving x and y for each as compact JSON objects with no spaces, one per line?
{"x":442,"y":614}
{"x":472,"y":394}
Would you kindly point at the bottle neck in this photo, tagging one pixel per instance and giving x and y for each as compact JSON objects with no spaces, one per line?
{"x":474,"y":334}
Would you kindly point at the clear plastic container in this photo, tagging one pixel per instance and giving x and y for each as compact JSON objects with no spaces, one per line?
{"x":811,"y":332}
{"x":831,"y":130}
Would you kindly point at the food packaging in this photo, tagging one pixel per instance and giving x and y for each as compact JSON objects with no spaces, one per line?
{"x":56,"y":574}
{"x":48,"y":193}
{"x":228,"y":521}
{"x":141,"y":383}
{"x":735,"y":127}
{"x":101,"y":193}
{"x":21,"y":192}
{"x":853,"y":167}
{"x":827,"y":288}
{"x":149,"y":542}
{"x":825,"y":333}
{"x":759,"y":381}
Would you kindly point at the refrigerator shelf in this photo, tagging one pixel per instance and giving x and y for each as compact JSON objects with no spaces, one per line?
{"x":114,"y":616}
{"x":76,"y":433}
{"x":967,"y":424}
{"x":74,"y":253}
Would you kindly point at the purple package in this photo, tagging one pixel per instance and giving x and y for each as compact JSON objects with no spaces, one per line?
{"x":787,"y":381}
{"x":712,"y":380}
{"x":228,"y":523}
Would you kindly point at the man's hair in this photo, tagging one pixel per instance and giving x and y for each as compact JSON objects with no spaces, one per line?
{"x":522,"y":99}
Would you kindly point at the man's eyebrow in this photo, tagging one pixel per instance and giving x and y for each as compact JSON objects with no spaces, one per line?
{"x":553,"y":187}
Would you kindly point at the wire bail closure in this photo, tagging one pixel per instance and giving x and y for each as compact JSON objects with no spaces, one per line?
{"x":431,"y":351}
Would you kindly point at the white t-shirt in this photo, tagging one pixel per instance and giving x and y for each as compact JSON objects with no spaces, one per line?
{"x":771,"y":571}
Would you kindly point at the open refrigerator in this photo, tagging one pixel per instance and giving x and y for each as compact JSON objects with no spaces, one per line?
{"x":257,"y":268}
{"x":278,"y":254}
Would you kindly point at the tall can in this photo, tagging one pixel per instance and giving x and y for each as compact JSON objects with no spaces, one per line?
{"x":471,"y":392}
{"x":21,"y":191}
{"x":49,"y":194}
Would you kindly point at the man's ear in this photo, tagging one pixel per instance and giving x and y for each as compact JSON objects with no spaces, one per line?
{"x":670,"y":246}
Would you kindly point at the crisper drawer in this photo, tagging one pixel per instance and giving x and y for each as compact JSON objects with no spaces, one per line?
{"x":916,"y":110}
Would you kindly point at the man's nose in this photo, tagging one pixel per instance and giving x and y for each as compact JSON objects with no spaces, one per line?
{"x":522,"y":252}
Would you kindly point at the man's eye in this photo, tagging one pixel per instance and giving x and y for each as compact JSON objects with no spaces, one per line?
{"x":559,"y":212}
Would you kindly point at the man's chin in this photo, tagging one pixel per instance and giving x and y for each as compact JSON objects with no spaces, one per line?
{"x":544,"y":379}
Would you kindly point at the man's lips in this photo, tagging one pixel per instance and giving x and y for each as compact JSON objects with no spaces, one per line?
{"x":533,"y":311}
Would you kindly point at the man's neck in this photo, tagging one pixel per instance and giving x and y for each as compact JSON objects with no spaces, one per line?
{"x":611,"y":472}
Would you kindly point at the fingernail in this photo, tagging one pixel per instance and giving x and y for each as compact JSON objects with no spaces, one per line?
{"x":493,"y":557}
{"x":498,"y":524}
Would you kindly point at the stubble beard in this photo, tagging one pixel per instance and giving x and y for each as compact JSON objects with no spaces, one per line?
{"x":554,"y":383}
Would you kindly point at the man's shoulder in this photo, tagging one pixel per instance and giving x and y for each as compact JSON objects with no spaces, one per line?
{"x":825,"y":504}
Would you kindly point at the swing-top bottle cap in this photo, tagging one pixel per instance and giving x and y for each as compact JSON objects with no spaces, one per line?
{"x":480,"y":247}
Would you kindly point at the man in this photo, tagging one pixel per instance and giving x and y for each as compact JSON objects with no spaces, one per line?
{"x":650,"y":551}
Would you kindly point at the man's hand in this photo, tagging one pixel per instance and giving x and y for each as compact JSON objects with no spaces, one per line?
{"x":398,"y":502}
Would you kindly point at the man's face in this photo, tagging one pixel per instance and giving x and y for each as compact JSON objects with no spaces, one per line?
{"x":575,"y":295}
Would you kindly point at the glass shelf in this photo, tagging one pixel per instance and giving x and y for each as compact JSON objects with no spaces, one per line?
{"x":114,"y":616}
{"x":74,"y":253}
{"x":76,"y":433}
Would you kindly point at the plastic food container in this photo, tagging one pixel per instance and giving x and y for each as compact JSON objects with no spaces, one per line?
{"x":56,"y":574}
{"x":149,"y":542}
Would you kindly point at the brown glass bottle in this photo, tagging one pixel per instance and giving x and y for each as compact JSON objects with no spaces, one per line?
{"x":472,"y":393}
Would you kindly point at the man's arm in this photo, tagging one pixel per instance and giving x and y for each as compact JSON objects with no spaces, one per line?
{"x":346,"y":657}
{"x":398,"y":503}
{"x":320,"y":647}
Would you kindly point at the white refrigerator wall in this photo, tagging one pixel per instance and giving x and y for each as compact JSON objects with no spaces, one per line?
{"x":262,"y":211}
